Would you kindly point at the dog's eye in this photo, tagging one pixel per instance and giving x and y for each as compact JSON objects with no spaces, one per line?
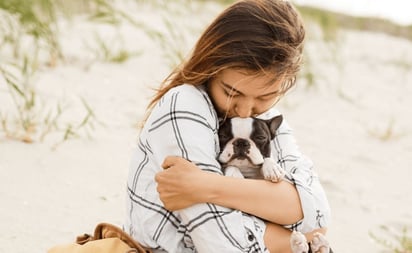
{"x":224,"y":137}
{"x":260,"y":138}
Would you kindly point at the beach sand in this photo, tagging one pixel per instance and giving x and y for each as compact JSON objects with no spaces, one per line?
{"x":354,"y":121}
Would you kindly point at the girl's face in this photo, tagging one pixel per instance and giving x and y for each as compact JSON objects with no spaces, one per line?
{"x":236,"y":94}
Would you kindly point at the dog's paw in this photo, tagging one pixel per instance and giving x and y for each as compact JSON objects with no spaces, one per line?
{"x":319,"y":244}
{"x":272,"y":171}
{"x":232,"y":171}
{"x":298,"y":243}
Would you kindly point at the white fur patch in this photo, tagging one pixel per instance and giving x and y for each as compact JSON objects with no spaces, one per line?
{"x":272,"y":171}
{"x":242,"y":127}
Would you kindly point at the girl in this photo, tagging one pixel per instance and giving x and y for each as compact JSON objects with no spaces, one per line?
{"x":178,"y":199}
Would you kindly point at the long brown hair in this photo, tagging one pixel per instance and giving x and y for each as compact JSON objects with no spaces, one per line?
{"x":260,"y":36}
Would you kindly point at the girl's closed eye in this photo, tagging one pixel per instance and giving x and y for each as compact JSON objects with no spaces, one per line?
{"x":264,"y":99}
{"x":226,"y":92}
{"x":234,"y":94}
{"x":269,"y":97}
{"x":230,"y":92}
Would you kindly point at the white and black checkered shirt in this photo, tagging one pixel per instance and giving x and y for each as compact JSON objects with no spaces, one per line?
{"x":184,"y":123}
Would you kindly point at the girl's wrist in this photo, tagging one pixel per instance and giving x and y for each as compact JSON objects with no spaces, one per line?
{"x":208,"y":187}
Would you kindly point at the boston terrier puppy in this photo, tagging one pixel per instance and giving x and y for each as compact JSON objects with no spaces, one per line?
{"x":245,"y":148}
{"x":245,"y":145}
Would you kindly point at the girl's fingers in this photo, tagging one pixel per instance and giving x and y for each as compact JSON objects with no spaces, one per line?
{"x":169,"y":161}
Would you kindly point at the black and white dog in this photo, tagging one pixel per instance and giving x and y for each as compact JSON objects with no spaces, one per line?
{"x":245,"y":148}
{"x":245,"y":145}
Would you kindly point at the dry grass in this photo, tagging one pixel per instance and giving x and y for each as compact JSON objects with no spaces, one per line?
{"x":331,"y":22}
{"x":393,"y":240}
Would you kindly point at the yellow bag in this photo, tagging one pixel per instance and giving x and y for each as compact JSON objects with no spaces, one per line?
{"x":107,"y":238}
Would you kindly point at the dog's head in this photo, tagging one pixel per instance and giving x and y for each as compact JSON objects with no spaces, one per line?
{"x":246,"y":141}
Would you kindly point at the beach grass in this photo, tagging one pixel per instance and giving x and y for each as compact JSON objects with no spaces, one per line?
{"x":331,"y":22}
{"x":388,"y":132}
{"x":31,"y":29}
{"x":394,"y":241}
{"x":30,"y":119}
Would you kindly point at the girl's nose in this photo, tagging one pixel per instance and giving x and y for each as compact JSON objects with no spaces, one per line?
{"x":244,"y":108}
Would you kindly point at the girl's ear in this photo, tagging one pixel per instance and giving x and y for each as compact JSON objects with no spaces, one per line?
{"x":274,"y":124}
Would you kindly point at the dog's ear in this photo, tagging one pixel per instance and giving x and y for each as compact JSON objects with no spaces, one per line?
{"x":274,"y":124}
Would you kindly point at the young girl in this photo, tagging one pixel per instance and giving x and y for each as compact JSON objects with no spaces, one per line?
{"x":178,"y":199}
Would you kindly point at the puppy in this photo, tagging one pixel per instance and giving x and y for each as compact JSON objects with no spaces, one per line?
{"x":245,"y":145}
{"x":245,"y":148}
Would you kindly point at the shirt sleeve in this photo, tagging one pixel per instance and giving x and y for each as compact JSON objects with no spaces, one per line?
{"x":184,"y":124}
{"x":300,"y":171}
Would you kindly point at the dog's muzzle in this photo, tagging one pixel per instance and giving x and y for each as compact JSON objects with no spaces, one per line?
{"x":241,"y":148}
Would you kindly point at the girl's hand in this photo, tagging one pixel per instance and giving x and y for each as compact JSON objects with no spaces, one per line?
{"x":179,"y":183}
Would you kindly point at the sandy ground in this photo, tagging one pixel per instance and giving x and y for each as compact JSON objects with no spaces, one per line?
{"x":354,"y":121}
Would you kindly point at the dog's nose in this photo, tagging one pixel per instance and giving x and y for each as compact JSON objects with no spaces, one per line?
{"x":241,"y":143}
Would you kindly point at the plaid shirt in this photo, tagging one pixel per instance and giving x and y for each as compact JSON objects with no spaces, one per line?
{"x":184,"y":123}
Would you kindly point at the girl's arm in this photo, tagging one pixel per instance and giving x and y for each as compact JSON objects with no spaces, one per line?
{"x":184,"y":185}
{"x":275,"y":202}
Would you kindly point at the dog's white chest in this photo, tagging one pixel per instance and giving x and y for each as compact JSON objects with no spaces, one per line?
{"x":254,"y":173}
{"x":247,"y":169}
